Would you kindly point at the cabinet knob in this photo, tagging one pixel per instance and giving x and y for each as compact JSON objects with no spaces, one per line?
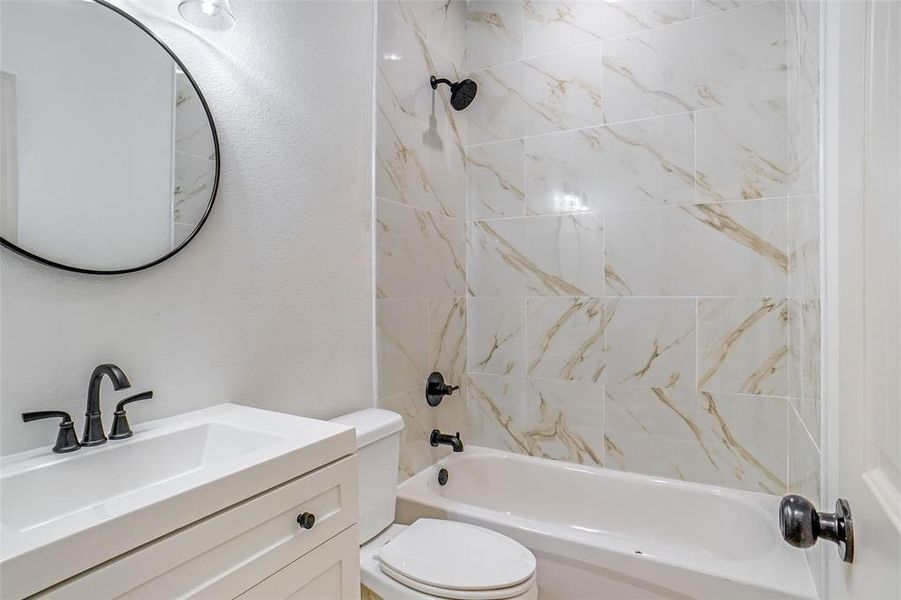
{"x":306,"y":520}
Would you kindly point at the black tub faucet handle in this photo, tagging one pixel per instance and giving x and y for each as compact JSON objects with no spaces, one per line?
{"x":436,"y":389}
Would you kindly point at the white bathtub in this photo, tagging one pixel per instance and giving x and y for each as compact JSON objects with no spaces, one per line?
{"x":603,"y":534}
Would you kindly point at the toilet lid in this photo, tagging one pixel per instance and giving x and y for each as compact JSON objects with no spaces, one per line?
{"x":457,"y":556}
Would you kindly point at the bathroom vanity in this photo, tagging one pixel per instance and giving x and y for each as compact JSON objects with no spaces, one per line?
{"x":225,"y":502}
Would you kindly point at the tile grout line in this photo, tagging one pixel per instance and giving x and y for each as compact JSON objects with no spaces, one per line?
{"x":620,"y":123}
{"x":692,"y":18}
{"x":621,"y":210}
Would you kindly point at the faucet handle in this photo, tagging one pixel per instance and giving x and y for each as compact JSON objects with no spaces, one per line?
{"x":66,"y":439}
{"x":436,"y":389}
{"x":120,"y":429}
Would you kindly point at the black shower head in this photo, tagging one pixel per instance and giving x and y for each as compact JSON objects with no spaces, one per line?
{"x":462,"y":92}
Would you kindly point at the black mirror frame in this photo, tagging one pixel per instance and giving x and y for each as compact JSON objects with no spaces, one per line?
{"x":21,"y":251}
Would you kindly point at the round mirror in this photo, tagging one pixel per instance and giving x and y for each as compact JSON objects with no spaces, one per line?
{"x":109,"y":160}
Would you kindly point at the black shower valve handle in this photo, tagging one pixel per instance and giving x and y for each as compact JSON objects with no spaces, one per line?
{"x":436,"y":389}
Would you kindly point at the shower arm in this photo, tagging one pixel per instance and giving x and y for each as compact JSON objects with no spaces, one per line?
{"x":435,"y":81}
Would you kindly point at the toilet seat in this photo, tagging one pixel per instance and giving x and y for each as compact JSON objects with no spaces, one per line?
{"x":516,"y":591}
{"x":458,"y":561}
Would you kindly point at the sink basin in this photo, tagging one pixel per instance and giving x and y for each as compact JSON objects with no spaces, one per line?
{"x":171,"y":473}
{"x":130,"y":468}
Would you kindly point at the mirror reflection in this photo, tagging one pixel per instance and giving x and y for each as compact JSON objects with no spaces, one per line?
{"x":109,"y":160}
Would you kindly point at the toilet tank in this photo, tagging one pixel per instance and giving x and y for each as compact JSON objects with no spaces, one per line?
{"x":378,"y":450}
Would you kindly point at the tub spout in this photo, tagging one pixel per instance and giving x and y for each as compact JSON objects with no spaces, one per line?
{"x":437,"y":438}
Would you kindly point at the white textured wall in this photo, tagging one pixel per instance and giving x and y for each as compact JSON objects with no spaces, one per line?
{"x":271,"y":304}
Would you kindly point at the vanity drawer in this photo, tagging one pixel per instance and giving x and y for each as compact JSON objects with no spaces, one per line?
{"x":330,"y":572}
{"x":231,"y":551}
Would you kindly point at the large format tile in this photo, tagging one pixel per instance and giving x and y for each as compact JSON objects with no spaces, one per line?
{"x":447,"y":171}
{"x":563,"y":90}
{"x":417,"y":164}
{"x":552,"y":25}
{"x":742,"y":151}
{"x":718,"y":439}
{"x":803,"y":461}
{"x":804,"y":247}
{"x":734,"y":57}
{"x":493,"y":32}
{"x":709,"y":7}
{"x":551,"y":419}
{"x":406,"y":60}
{"x":402,"y":170}
{"x":496,"y":341}
{"x":420,"y":156}
{"x":491,"y":412}
{"x":646,"y":163}
{"x":536,"y":256}
{"x":420,"y":254}
{"x":403,"y":62}
{"x":566,"y":338}
{"x":651,"y":342}
{"x":499,"y":111}
{"x":495,"y":186}
{"x":441,"y":23}
{"x":402,"y":337}
{"x":743,"y":345}
{"x":447,"y":338}
{"x":804,"y":372}
{"x":554,"y":92}
{"x":731,"y":249}
{"x":809,"y":411}
{"x":803,"y":38}
{"x":419,"y":420}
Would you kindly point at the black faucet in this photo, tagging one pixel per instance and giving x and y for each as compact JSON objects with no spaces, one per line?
{"x":437,"y":438}
{"x":93,"y":424}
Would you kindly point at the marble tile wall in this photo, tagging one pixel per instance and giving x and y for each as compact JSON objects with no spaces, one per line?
{"x":194,"y":161}
{"x":642,"y":237}
{"x":420,"y":184}
{"x":804,"y":375}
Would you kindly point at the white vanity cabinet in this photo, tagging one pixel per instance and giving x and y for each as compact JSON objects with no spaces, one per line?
{"x":198,"y":505}
{"x":332,"y":571}
{"x":255,"y":549}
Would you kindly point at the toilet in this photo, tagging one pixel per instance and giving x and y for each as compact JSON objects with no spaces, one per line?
{"x":432,"y":558}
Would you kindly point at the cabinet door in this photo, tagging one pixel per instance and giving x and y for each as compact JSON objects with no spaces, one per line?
{"x":330,"y":572}
{"x":231,"y":551}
